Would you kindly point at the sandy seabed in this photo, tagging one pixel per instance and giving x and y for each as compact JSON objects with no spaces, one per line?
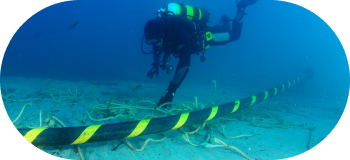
{"x":281,"y":127}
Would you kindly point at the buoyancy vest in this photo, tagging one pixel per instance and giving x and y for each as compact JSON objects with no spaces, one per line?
{"x":191,"y":17}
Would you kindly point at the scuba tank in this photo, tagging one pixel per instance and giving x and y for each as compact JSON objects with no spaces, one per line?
{"x":192,"y":13}
{"x":191,"y":17}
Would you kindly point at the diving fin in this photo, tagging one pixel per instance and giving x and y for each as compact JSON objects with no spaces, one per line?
{"x":245,"y":3}
{"x":168,"y":95}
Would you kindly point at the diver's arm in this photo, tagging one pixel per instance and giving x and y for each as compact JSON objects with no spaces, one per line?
{"x":157,"y":51}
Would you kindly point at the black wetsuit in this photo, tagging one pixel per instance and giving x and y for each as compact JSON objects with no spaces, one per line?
{"x":183,"y":37}
{"x":181,"y":40}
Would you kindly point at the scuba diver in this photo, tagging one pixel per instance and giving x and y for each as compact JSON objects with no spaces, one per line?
{"x":182,"y":30}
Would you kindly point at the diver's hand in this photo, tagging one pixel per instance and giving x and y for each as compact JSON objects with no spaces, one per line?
{"x":154,"y":70}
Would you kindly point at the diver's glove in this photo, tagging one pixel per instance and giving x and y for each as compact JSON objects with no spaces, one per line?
{"x":154,"y":70}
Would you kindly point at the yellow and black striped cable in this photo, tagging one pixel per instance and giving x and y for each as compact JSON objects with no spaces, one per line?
{"x":107,"y":132}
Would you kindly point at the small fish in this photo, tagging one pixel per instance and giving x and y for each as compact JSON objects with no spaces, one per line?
{"x":73,"y":25}
{"x":136,"y":88}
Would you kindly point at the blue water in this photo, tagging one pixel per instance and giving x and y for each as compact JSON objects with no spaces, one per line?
{"x":279,"y":40}
{"x":100,"y":40}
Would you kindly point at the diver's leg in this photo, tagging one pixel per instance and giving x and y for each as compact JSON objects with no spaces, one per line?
{"x":245,"y":3}
{"x":237,"y":24}
{"x":168,"y":95}
{"x":180,"y":39}
{"x":222,"y":26}
{"x":221,"y":35}
{"x":241,"y":5}
{"x":180,"y":74}
{"x":182,"y":68}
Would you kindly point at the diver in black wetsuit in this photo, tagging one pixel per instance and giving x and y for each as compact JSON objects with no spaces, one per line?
{"x":181,"y":30}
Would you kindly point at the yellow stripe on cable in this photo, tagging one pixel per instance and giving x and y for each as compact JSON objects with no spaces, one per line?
{"x":214,"y":110}
{"x":237,"y":103}
{"x":86,"y":135}
{"x":275,"y":91}
{"x":266,"y":95}
{"x":139,"y":128}
{"x":253,"y":100}
{"x":182,"y":120}
{"x":32,"y":134}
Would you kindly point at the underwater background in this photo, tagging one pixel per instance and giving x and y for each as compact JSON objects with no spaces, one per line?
{"x":100,"y":41}
{"x":279,"y":40}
